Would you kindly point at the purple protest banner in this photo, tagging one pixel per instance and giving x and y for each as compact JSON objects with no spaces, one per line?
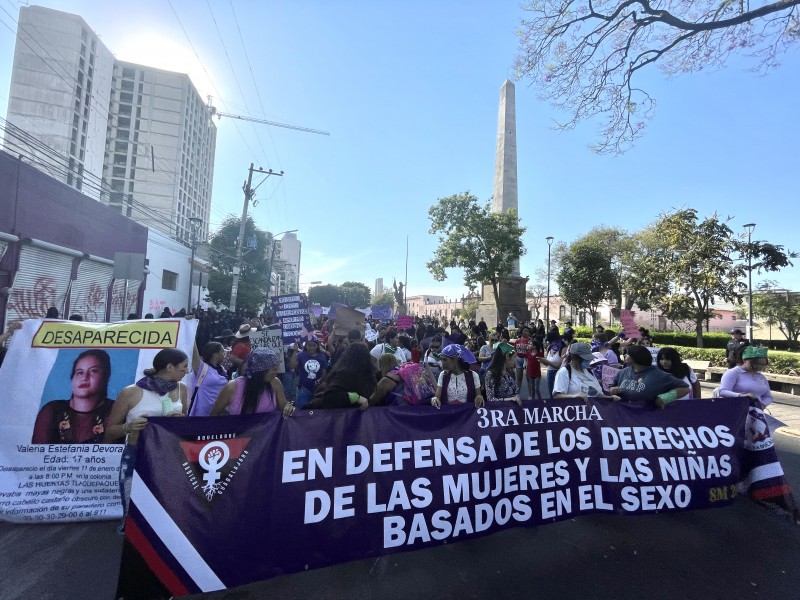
{"x":211,"y":496}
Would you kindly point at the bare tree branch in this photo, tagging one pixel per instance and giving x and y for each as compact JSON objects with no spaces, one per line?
{"x":585,"y":56}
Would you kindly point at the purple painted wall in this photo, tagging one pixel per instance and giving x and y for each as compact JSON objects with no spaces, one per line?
{"x":33,"y":205}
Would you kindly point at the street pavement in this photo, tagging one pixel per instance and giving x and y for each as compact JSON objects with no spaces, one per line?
{"x":742,"y":551}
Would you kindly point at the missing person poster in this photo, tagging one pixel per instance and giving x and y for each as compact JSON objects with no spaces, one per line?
{"x":59,"y":381}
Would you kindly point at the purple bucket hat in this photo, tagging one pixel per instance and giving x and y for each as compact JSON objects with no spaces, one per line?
{"x":458,"y":351}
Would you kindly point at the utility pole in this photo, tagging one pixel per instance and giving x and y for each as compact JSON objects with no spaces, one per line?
{"x":249,"y":194}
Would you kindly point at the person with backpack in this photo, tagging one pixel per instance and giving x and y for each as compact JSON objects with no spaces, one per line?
{"x":501,"y":383}
{"x":458,"y":384}
{"x":407,"y":384}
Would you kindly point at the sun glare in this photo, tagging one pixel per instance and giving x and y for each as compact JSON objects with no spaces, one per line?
{"x":161,"y":52}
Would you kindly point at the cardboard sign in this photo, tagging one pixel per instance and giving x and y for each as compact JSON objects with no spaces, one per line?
{"x":271,"y":338}
{"x":347,"y":319}
{"x":629,"y":325}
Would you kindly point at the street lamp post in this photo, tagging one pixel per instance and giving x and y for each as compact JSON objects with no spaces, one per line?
{"x":749,"y":227}
{"x":195,"y":221}
{"x":549,"y":239}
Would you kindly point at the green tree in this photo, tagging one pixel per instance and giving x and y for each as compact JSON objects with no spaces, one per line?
{"x":779,"y":307}
{"x":588,"y":58}
{"x":255,"y":264}
{"x":355,"y":294}
{"x":384,"y":299}
{"x":473,"y":238}
{"x":700,"y":262}
{"x":585,"y":277}
{"x":470,"y":309}
{"x":324,"y":295}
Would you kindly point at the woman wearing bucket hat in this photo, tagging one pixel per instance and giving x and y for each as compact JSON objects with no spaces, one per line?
{"x":458,"y":384}
{"x":575,"y":379}
{"x":747,"y":379}
{"x":258,"y":391}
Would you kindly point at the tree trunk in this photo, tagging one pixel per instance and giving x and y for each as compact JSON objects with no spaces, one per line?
{"x":698,"y":328}
{"x":496,"y":293}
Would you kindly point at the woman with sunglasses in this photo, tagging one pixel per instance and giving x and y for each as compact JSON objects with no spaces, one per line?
{"x":501,"y":382}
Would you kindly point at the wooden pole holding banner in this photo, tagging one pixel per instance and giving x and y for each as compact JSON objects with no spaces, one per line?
{"x":405,"y":288}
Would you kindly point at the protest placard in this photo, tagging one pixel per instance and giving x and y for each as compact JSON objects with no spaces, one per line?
{"x":55,"y":464}
{"x":271,"y":338}
{"x":347,"y":319}
{"x":292,"y":313}
{"x":628,"y":324}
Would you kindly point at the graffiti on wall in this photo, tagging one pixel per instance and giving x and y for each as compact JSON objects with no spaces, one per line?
{"x":33,"y":302}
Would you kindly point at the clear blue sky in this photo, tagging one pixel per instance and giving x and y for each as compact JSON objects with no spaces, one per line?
{"x":409,"y":92}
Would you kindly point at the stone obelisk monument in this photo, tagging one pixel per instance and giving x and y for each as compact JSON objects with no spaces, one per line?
{"x":511,"y":291}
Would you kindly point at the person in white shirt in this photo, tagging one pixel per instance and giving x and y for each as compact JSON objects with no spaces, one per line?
{"x":389,"y":347}
{"x":575,"y":379}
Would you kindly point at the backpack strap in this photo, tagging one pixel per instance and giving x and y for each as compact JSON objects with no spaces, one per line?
{"x":203,"y":373}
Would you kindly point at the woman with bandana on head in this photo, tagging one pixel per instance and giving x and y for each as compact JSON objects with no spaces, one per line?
{"x":457,"y":384}
{"x":747,"y":379}
{"x":258,"y":391}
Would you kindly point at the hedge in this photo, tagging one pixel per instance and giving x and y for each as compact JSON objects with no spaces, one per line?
{"x":716,"y":339}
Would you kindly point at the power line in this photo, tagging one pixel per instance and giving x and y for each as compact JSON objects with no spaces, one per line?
{"x":233,"y":72}
{"x":210,"y":80}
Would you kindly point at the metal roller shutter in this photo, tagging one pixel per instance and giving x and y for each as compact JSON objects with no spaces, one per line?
{"x":131,"y":303}
{"x":3,"y":246}
{"x":89,"y":293}
{"x":41,"y":281}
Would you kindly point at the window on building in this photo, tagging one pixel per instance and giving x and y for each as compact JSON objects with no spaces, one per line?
{"x":117,"y":185}
{"x":126,"y":85}
{"x":120,"y":146}
{"x":126,"y":97}
{"x":128,"y":73}
{"x":125,"y":110}
{"x":169,"y":280}
{"x":562,"y":311}
{"x":118,"y":172}
{"x":123,"y":122}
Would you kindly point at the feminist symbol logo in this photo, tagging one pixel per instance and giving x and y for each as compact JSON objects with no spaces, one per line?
{"x":212,"y":458}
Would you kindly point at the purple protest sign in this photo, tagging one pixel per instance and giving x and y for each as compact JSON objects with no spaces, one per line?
{"x":381,"y":313}
{"x":211,"y":494}
{"x":292,"y":314}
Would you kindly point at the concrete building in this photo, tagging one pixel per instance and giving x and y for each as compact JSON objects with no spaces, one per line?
{"x":69,"y":266}
{"x":136,"y":138}
{"x":289,"y":250}
{"x":60,"y":89}
{"x":169,"y":269}
{"x":378,"y":287}
{"x":160,"y":146}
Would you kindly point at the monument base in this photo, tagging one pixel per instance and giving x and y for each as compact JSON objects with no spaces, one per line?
{"x":511,"y":299}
